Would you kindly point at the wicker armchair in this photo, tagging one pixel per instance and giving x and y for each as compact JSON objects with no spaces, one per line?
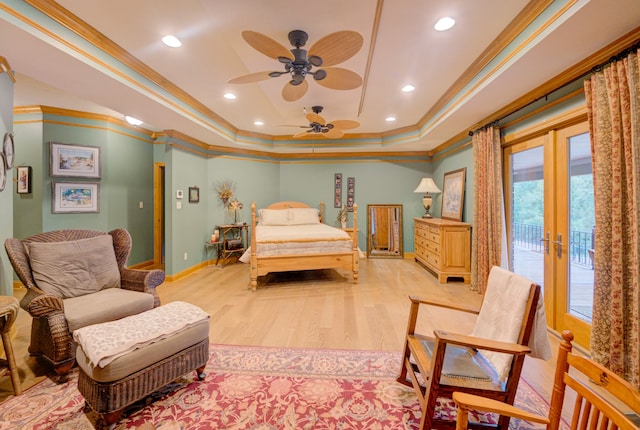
{"x":51,"y":337}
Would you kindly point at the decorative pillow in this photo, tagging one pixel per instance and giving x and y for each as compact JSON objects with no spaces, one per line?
{"x":74,"y":268}
{"x":273,"y":217}
{"x":299,"y":216}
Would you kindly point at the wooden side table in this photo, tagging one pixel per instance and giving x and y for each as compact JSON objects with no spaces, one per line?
{"x":229,"y":235}
{"x":8,"y":313}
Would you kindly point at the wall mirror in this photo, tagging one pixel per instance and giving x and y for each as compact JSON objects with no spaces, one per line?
{"x":384,"y":231}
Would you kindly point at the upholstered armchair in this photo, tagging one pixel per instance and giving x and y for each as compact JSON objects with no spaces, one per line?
{"x":76,"y":278}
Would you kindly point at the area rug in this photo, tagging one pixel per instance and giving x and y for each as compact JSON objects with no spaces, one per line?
{"x":256,"y":388}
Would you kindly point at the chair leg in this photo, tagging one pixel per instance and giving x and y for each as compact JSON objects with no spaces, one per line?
{"x":11,"y":363}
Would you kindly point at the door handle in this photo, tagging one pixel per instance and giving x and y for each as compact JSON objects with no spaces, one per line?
{"x":546,"y":245}
{"x":558,"y":244}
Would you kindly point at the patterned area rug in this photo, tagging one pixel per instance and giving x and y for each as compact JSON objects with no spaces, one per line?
{"x":256,"y":388}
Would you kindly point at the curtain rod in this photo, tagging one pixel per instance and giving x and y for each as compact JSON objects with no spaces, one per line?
{"x":619,"y":56}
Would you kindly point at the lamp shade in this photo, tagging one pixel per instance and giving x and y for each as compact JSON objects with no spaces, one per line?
{"x":427,"y":186}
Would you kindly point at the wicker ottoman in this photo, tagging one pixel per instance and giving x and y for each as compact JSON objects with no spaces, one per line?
{"x":143,"y":353}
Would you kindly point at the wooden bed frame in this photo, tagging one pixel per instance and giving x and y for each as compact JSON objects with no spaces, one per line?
{"x":260,"y":266}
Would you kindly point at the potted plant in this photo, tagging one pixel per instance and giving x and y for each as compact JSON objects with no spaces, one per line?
{"x":342,"y":216}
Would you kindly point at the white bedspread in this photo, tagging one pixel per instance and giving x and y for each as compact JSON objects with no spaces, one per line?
{"x":103,"y":343}
{"x":299,"y":240}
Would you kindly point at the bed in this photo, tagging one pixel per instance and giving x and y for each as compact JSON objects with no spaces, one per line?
{"x":287,"y":236}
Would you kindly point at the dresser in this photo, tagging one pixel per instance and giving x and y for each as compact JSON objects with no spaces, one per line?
{"x":444,"y":247}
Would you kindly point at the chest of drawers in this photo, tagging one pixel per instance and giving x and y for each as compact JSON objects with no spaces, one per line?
{"x":444,"y":247}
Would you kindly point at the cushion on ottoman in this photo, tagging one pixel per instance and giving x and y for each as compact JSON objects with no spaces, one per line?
{"x":145,"y":356}
{"x":103,"y":343}
{"x":105,"y":305}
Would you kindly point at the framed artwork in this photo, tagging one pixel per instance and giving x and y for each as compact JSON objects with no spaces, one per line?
{"x":351,"y":193}
{"x":453,"y":194}
{"x":75,"y":197}
{"x":337,"y":190}
{"x":74,"y":161}
{"x":3,"y":171}
{"x":194,"y":194}
{"x":24,"y":180}
{"x":8,"y":149}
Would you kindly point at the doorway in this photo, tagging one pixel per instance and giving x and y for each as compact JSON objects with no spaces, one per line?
{"x":551,"y":222}
{"x":158,"y":215}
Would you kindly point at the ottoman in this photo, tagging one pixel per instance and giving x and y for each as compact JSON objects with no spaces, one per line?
{"x":123,"y":361}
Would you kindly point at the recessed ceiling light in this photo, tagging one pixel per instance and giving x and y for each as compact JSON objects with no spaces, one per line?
{"x":390,"y":118}
{"x":258,"y":122}
{"x":171,"y":41}
{"x":444,"y":23}
{"x":230,"y":96}
{"x":408,"y":88}
{"x":133,"y":121}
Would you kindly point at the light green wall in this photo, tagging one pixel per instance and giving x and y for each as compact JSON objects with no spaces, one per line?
{"x":6,"y":196}
{"x":377,"y":182}
{"x":126,"y":179}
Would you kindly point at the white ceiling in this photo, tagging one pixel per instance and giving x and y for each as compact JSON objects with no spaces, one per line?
{"x":405,"y":49}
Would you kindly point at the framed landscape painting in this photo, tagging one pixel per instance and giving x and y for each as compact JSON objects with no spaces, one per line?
{"x":75,"y":197}
{"x":453,"y":195}
{"x":74,"y":161}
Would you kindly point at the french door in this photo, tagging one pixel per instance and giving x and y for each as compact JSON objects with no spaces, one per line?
{"x":551,"y":221}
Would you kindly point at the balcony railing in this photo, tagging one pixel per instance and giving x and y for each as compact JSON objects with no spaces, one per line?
{"x":528,"y":236}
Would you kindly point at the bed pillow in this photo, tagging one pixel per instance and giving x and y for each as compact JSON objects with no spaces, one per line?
{"x":273,"y":217}
{"x":76,"y":267}
{"x":300,"y":216}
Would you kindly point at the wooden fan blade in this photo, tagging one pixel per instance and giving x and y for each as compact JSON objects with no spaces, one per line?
{"x":333,"y":133}
{"x":291,"y":93}
{"x":340,"y":79}
{"x":266,"y":45}
{"x":345,"y":124}
{"x":314,"y":117}
{"x":301,"y":134}
{"x":337,"y":47}
{"x":251,"y":77}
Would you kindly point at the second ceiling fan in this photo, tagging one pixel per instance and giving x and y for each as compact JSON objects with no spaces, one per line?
{"x":330,"y":50}
{"x":318,"y":125}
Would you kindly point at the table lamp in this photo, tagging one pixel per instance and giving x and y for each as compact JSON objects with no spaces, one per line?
{"x":428,"y":187}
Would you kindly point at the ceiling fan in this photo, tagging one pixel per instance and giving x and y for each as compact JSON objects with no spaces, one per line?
{"x":318,"y":125}
{"x":330,"y":50}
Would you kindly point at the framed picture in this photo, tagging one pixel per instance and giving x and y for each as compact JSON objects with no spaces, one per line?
{"x":74,"y":161}
{"x":337,"y":190}
{"x":75,"y":197}
{"x":24,"y":180}
{"x":194,"y":194}
{"x":351,"y":193}
{"x":453,"y":194}
{"x":3,"y":171}
{"x":8,"y":149}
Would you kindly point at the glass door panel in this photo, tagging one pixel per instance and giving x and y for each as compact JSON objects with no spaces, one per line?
{"x":550,"y":219}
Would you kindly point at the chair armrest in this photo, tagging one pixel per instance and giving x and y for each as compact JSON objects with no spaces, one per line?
{"x":140,"y":280}
{"x":444,"y":304}
{"x":39,"y":304}
{"x":477,"y":403}
{"x":480,"y":343}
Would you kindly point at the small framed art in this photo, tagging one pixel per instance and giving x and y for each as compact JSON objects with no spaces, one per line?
{"x":24,"y":180}
{"x":75,"y":197}
{"x":194,"y":194}
{"x":74,"y":161}
{"x":453,"y":194}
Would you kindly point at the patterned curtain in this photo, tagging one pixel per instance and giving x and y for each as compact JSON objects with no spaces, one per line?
{"x":613,"y":101}
{"x":486,"y":243}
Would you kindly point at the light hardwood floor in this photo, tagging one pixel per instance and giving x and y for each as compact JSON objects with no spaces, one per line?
{"x":308,"y":309}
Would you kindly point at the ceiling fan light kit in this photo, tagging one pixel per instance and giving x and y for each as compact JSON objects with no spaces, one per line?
{"x":332,"y":49}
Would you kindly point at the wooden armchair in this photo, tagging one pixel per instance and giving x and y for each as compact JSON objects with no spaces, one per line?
{"x":55,"y":316}
{"x":488,"y":362}
{"x":596,"y":389}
